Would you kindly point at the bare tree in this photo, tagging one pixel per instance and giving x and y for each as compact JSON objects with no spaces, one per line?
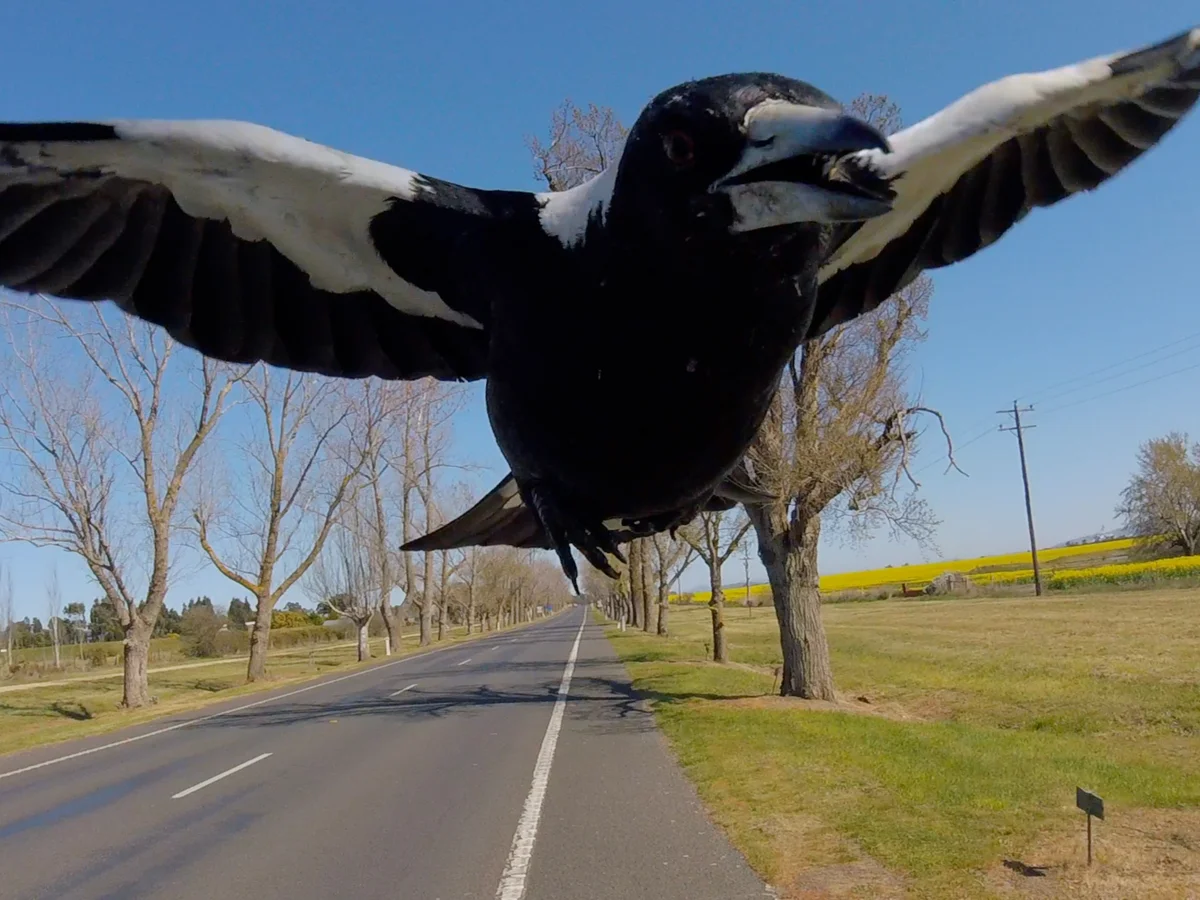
{"x":670,"y":557}
{"x":837,"y":442}
{"x":54,"y":612}
{"x":423,"y":453}
{"x":581,"y":143}
{"x":343,"y":577}
{"x":100,"y":444}
{"x":381,"y":409}
{"x":1161,"y":503}
{"x":303,"y":463}
{"x":715,"y":536}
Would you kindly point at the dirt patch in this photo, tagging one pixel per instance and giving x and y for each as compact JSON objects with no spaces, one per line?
{"x":1148,"y":854}
{"x":816,"y":863}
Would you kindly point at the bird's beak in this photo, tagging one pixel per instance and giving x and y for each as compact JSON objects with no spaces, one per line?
{"x":805,"y":164}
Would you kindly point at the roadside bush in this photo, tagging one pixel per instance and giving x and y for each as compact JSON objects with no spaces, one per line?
{"x":300,"y":637}
{"x":286,"y":618}
{"x":201,"y":628}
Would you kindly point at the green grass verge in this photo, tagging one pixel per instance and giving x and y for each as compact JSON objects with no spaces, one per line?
{"x":980,"y":718}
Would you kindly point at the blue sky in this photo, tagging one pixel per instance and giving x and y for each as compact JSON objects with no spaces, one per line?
{"x":453,"y":90}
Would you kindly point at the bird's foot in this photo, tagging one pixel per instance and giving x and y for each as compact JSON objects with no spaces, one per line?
{"x":593,"y":540}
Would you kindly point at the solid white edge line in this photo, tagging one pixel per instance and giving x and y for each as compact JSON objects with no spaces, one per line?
{"x":207,"y":781}
{"x":512,"y":882}
{"x":464,"y":662}
{"x":403,"y":689}
{"x":227,"y":712}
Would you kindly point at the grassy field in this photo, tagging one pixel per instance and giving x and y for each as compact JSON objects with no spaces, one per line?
{"x":87,"y":704}
{"x":1085,"y":566}
{"x":962,"y":731}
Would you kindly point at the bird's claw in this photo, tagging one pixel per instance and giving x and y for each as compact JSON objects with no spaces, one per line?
{"x":593,"y":541}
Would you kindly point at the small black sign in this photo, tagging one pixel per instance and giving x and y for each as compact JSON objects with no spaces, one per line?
{"x":1089,"y":803}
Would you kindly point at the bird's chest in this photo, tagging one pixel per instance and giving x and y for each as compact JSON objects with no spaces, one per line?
{"x":611,"y":374}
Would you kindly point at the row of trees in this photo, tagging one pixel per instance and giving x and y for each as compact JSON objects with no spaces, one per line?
{"x":834,"y":448}
{"x":119,"y":446}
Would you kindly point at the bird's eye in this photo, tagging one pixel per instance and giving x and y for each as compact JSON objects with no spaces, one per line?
{"x":679,"y":147}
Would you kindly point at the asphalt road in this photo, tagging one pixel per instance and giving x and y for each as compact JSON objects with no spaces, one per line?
{"x":515,"y":767}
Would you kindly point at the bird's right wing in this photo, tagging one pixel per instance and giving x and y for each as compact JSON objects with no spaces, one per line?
{"x":249,"y":244}
{"x":967,"y":174}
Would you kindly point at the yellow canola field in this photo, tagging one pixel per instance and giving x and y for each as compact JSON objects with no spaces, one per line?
{"x":1119,"y":573}
{"x":922,"y":573}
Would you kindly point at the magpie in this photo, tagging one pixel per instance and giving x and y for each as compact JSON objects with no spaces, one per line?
{"x":745,"y":214}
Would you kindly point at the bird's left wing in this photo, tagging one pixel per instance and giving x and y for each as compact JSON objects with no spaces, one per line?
{"x":249,"y":244}
{"x":967,"y":174}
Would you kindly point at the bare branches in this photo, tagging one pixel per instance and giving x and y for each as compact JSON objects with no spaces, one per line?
{"x":86,"y":389}
{"x":581,"y":144}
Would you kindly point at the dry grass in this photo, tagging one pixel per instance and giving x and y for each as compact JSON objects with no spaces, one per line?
{"x":86,"y":706}
{"x":961,"y":733}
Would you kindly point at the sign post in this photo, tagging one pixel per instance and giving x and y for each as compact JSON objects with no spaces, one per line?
{"x":1093,"y":805}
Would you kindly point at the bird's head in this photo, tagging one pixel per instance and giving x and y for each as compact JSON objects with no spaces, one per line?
{"x":742,"y":153}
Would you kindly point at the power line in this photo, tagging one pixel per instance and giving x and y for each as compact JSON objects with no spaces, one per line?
{"x":1113,"y":365}
{"x":1145,"y":365}
{"x":1126,"y":387}
{"x":1191,"y":337}
{"x":1019,"y":429}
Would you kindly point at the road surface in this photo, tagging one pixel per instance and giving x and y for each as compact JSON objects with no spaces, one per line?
{"x":514,"y":767}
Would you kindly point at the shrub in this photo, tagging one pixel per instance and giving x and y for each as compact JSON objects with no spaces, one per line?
{"x":299,"y":637}
{"x":286,"y":618}
{"x":200,"y":628}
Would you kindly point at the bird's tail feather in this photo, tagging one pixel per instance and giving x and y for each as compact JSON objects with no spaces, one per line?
{"x":499,"y":518}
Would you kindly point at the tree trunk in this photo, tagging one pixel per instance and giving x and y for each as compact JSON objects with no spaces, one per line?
{"x":54,"y":636}
{"x":635,"y":584}
{"x":647,"y":602}
{"x":364,"y":643}
{"x":426,"y":620}
{"x":392,"y":623}
{"x":716,"y":605}
{"x":441,"y":620}
{"x":137,"y":657}
{"x":789,"y":553}
{"x":260,"y":639}
{"x":664,"y":598}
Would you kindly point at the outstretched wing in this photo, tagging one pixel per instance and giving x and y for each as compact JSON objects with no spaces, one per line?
{"x":249,"y":244}
{"x":967,"y":174}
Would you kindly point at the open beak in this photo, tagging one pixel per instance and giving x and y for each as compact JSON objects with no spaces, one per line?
{"x":806,"y":164}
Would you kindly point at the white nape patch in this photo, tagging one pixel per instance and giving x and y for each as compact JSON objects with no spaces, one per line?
{"x":933,"y":154}
{"x":313,"y":203}
{"x":565,"y":214}
{"x":765,"y":204}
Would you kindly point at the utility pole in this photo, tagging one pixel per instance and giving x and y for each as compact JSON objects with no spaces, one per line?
{"x":1015,"y":412}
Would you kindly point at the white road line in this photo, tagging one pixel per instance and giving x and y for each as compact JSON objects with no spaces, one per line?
{"x":512,"y":883}
{"x":403,"y":689}
{"x":227,"y":712}
{"x":464,"y":662}
{"x":207,"y":781}
{"x":497,"y":647}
